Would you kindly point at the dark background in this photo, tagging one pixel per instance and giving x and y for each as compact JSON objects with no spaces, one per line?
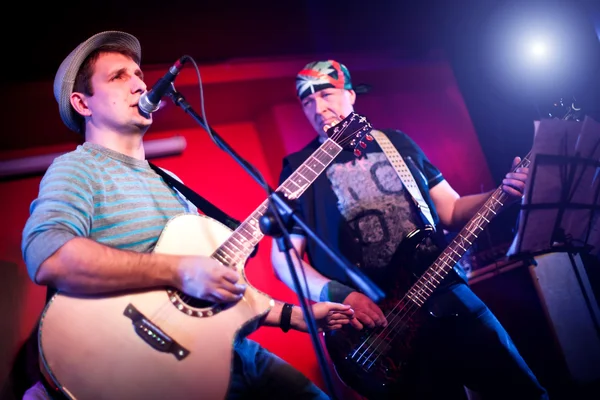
{"x":482,"y":39}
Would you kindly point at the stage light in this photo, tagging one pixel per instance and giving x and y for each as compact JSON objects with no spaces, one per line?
{"x":532,"y":49}
{"x":538,"y":50}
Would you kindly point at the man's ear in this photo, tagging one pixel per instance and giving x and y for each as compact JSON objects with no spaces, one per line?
{"x":351,"y":96}
{"x":79,"y":103}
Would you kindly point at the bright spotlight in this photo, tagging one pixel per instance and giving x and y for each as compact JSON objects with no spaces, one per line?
{"x":539,"y":50}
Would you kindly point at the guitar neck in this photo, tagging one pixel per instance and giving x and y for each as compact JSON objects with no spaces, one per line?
{"x":457,"y":248}
{"x":242,"y":241}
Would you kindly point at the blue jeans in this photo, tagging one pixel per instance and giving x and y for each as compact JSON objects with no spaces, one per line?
{"x":466,"y":345}
{"x":260,"y":374}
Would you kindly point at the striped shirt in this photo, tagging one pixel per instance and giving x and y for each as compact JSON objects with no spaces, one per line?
{"x":100,"y":194}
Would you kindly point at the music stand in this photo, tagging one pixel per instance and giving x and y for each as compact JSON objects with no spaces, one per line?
{"x":559,"y":219}
{"x":561,"y":206}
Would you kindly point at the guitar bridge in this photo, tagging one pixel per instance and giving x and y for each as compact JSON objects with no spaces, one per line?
{"x":152,"y":335}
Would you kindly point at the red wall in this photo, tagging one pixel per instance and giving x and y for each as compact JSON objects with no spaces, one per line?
{"x":252,"y":106}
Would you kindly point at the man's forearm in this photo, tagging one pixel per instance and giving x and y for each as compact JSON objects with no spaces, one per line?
{"x":296,"y":317}
{"x":273,"y":318}
{"x":466,"y":207}
{"x":315,"y":280}
{"x":85,"y":266}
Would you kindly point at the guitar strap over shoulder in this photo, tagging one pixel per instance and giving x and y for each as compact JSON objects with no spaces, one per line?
{"x":404,"y":173}
{"x":204,"y":205}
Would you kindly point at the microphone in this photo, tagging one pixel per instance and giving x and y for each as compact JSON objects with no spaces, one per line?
{"x":150,"y":100}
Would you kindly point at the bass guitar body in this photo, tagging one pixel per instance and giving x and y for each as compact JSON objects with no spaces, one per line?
{"x":375,"y":362}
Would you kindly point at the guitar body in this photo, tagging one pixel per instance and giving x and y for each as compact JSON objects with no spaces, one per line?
{"x":152,"y":344}
{"x":375,"y":362}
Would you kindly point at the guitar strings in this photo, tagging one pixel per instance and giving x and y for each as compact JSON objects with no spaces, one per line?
{"x":390,"y":332}
{"x":398,"y":319}
{"x":161,"y":313}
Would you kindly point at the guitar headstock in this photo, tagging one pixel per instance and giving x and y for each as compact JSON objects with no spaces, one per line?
{"x":351,"y":133}
{"x":568,"y":110}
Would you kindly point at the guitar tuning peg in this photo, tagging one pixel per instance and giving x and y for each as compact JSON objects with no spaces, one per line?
{"x":369,"y":137}
{"x":362,"y":144}
{"x":357,"y":152}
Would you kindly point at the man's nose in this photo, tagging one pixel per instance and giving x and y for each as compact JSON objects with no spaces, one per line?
{"x":320,"y":105}
{"x":138,"y":84}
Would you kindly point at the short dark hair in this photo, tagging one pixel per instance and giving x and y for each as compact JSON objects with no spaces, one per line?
{"x":83,"y":80}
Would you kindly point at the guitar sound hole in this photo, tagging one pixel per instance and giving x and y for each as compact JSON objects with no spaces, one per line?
{"x":179,"y":298}
{"x":194,"y":302}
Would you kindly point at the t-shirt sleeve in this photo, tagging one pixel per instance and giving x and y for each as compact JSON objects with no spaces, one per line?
{"x":415,"y":154}
{"x":63,"y":210}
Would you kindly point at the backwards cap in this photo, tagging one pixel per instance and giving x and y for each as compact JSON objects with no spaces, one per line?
{"x":319,"y":75}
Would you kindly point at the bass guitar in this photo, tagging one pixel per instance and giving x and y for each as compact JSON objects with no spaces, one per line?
{"x":374,"y":362}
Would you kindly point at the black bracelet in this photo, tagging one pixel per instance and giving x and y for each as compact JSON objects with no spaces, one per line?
{"x":286,"y":317}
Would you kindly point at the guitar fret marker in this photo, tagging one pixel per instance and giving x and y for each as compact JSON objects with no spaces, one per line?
{"x":458,"y":254}
{"x":481,"y":215}
{"x":489,"y":209}
{"x":437,"y":273}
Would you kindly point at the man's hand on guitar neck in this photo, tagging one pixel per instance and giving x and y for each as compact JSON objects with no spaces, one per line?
{"x":513,"y":183}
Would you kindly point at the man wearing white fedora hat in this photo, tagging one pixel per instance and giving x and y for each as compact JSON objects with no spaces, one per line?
{"x":102,"y":208}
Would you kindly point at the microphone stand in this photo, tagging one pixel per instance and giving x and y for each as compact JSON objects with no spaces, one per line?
{"x":281,"y":213}
{"x":283,"y":236}
{"x":361,"y":281}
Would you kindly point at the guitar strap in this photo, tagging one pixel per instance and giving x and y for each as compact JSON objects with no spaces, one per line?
{"x":404,"y":173}
{"x":204,"y":205}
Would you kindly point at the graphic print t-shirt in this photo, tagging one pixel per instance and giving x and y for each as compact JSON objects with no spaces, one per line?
{"x":359,"y":206}
{"x":372,"y":200}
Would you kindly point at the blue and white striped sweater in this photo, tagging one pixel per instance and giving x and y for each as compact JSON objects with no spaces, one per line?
{"x":103,"y":195}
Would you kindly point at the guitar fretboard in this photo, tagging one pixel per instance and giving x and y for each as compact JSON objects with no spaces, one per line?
{"x":242,"y":241}
{"x":433,"y":276}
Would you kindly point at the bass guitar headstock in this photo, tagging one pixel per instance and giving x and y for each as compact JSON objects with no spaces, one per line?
{"x":568,"y":110}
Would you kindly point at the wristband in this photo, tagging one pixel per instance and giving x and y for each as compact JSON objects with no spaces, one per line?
{"x":286,"y":317}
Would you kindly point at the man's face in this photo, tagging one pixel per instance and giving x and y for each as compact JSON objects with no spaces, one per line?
{"x":328,"y":106}
{"x":117,"y":83}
